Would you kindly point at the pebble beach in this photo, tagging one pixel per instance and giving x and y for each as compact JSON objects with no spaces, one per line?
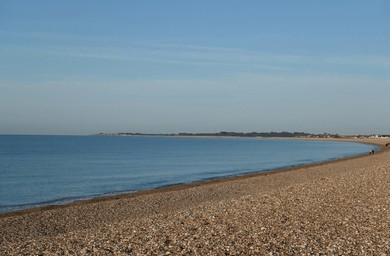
{"x":335,"y":208}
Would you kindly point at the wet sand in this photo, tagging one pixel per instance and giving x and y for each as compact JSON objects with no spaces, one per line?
{"x":335,"y":208}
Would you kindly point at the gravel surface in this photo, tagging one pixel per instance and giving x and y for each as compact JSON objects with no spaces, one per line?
{"x":339,"y":208}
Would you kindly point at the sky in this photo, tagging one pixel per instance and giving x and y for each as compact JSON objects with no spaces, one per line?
{"x":85,"y":67}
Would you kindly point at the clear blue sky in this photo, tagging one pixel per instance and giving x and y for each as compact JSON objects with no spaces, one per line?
{"x":82,"y":67}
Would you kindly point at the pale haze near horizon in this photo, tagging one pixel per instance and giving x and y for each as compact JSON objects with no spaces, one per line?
{"x":84,"y":67}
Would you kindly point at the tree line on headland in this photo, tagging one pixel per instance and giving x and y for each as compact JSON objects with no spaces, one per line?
{"x":249,"y":134}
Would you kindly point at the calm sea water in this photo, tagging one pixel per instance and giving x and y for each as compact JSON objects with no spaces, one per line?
{"x":42,"y":170}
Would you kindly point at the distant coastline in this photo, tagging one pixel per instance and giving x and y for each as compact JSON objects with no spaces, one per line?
{"x":250,"y":135}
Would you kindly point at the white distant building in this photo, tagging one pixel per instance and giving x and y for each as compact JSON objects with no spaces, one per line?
{"x":375,"y":136}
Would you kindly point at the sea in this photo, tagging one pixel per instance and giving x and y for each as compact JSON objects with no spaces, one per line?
{"x":51,"y":170}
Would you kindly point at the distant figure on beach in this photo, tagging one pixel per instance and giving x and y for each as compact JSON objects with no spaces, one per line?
{"x":372,"y":152}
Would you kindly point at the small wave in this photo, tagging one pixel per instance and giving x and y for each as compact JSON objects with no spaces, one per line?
{"x":60,"y":201}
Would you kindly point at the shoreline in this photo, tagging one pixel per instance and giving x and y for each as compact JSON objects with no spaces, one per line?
{"x":182,"y":186}
{"x":339,"y":207}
